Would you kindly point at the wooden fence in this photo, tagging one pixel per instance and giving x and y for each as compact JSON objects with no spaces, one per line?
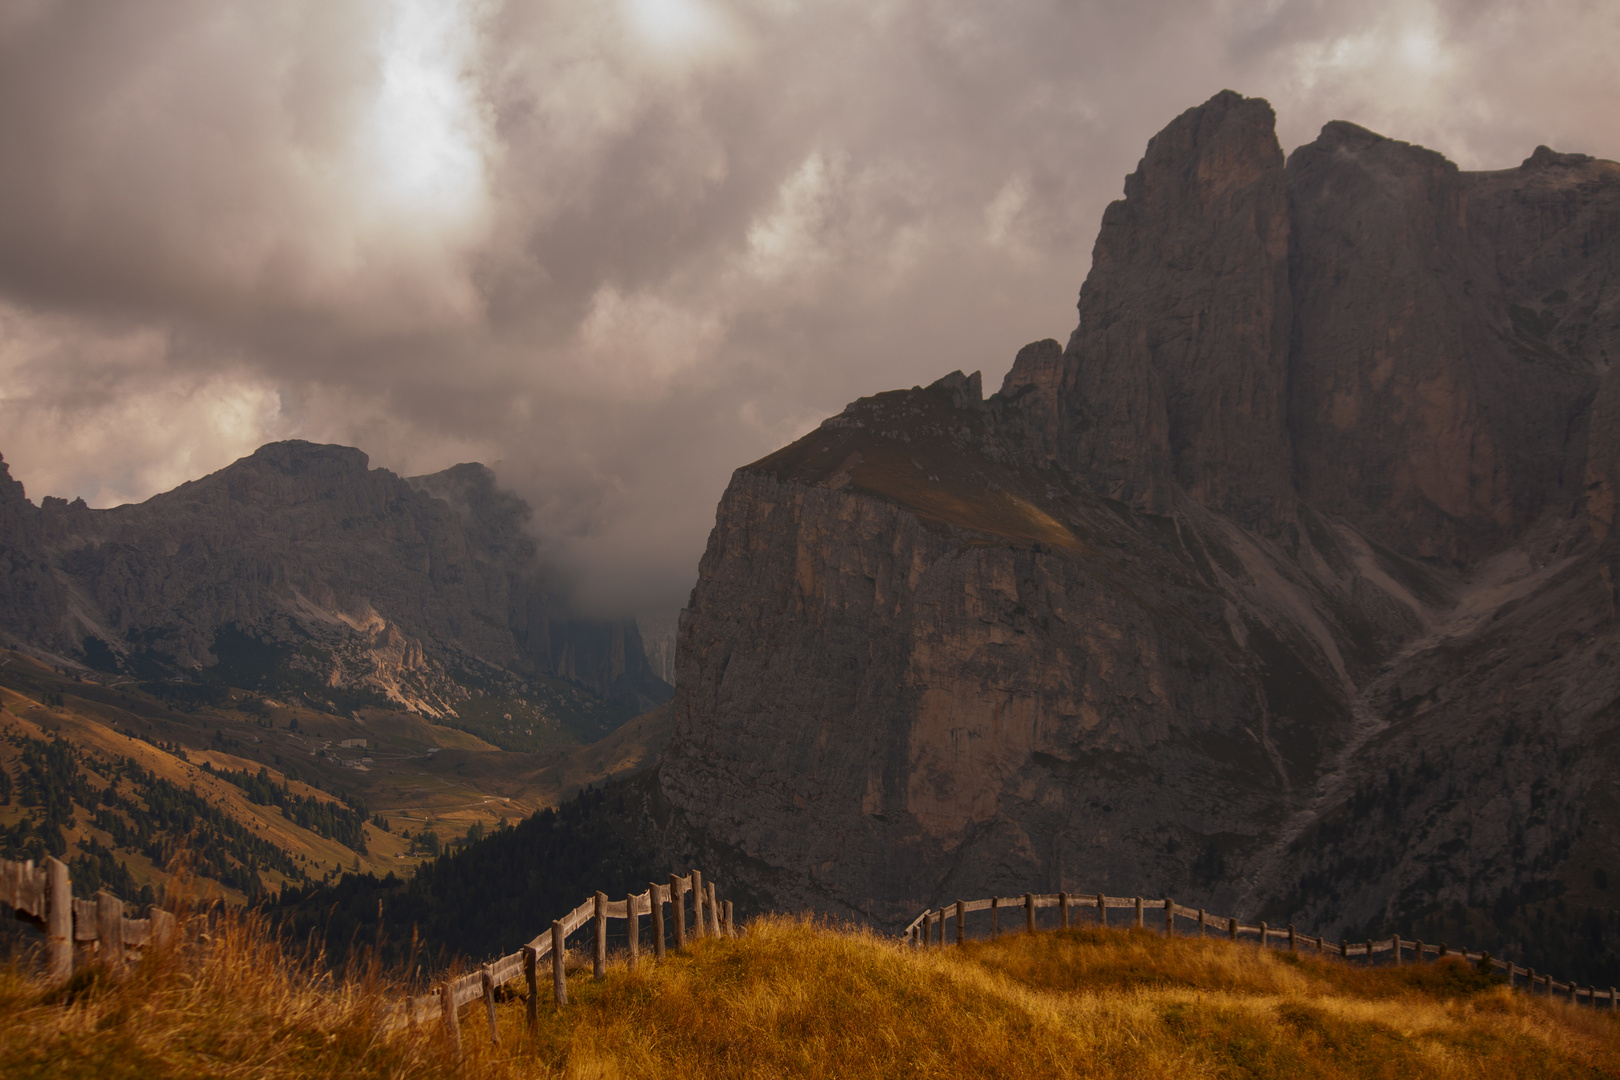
{"x":43,"y":895}
{"x":929,"y":929}
{"x":84,"y":928}
{"x":710,"y":918}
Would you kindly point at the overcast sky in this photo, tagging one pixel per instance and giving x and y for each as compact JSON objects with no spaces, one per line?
{"x":617,"y":248}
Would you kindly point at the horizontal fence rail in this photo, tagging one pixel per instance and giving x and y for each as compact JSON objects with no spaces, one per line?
{"x":710,"y":917}
{"x":928,"y":929}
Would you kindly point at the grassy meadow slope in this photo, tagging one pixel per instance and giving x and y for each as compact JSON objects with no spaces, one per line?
{"x":795,"y":999}
{"x":251,"y":793}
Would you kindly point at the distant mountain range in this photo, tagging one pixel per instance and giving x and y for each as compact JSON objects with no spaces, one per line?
{"x":300,"y":571}
{"x":1286,"y":587}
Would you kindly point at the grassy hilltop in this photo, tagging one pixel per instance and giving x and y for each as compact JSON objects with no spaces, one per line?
{"x":793,"y":999}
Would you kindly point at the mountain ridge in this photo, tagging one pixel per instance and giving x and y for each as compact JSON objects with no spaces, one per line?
{"x":302,"y":559}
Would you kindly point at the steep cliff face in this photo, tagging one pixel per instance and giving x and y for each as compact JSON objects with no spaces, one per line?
{"x":1427,"y":401}
{"x":1318,"y":499}
{"x":300,"y":561}
{"x":1179,"y":362}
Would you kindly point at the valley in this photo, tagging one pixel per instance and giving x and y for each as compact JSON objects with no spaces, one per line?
{"x":274,"y":793}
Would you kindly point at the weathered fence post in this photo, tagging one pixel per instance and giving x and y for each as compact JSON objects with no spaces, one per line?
{"x":657,"y":919}
{"x":1231,"y":928}
{"x":58,"y":919}
{"x":1344,"y":947}
{"x":731,"y":924}
{"x":1529,"y":977}
{"x":1029,"y":913}
{"x":1063,"y":910}
{"x":1292,"y":946}
{"x":1169,"y":917}
{"x":697,"y":905}
{"x":632,"y":920}
{"x":162,"y":927}
{"x":1139,"y":913}
{"x":599,"y":952}
{"x":1417,"y":950}
{"x":110,"y":927}
{"x":1102,"y":910}
{"x":714,"y":911}
{"x":1203,"y":921}
{"x":1443,"y":951}
{"x":1395,"y":947}
{"x":489,"y":1004}
{"x":995,"y":916}
{"x":531,"y":975}
{"x":927,"y":928}
{"x":1264,"y":930}
{"x":559,"y":977}
{"x":961,"y":922}
{"x":677,"y":904}
{"x":447,"y":1007}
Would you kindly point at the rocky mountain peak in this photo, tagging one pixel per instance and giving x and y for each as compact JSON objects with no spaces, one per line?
{"x":1177,"y":373}
{"x":1547,"y":158}
{"x":302,"y":562}
{"x":296,"y":457}
{"x":965,"y":390}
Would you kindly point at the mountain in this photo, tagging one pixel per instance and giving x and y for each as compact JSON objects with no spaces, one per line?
{"x":1286,"y":587}
{"x":295,"y":667}
{"x":300,"y":570}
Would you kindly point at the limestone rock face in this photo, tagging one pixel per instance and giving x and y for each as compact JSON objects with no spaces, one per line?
{"x":1179,"y":365}
{"x":1286,"y":588}
{"x":301,"y":555}
{"x":1426,"y":399}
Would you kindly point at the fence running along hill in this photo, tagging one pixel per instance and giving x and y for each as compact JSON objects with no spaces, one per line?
{"x":85,"y":930}
{"x":710,"y":918}
{"x":929,"y":928}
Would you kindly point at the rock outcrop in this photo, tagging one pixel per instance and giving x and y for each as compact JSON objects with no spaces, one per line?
{"x":299,"y":562}
{"x":1288,"y":585}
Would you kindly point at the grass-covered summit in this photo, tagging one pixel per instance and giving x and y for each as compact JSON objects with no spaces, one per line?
{"x":791,"y":998}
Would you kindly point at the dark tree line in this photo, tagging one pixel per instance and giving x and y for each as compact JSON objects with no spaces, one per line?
{"x":344,"y":823}
{"x":494,"y":895}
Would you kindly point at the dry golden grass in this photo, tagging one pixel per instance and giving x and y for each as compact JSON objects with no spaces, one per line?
{"x":234,"y":1005}
{"x":797,"y":999}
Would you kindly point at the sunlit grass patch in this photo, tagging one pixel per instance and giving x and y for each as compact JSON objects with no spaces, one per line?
{"x":799,"y":998}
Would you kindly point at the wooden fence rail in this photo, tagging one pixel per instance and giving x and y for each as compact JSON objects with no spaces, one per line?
{"x":711,"y":917}
{"x":928,"y":929}
{"x":43,"y":895}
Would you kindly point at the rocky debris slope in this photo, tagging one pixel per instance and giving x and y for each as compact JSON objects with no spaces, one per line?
{"x":302,"y":566}
{"x":1287,"y":584}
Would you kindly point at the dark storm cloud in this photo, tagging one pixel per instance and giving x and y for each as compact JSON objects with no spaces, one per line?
{"x":622,"y":248}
